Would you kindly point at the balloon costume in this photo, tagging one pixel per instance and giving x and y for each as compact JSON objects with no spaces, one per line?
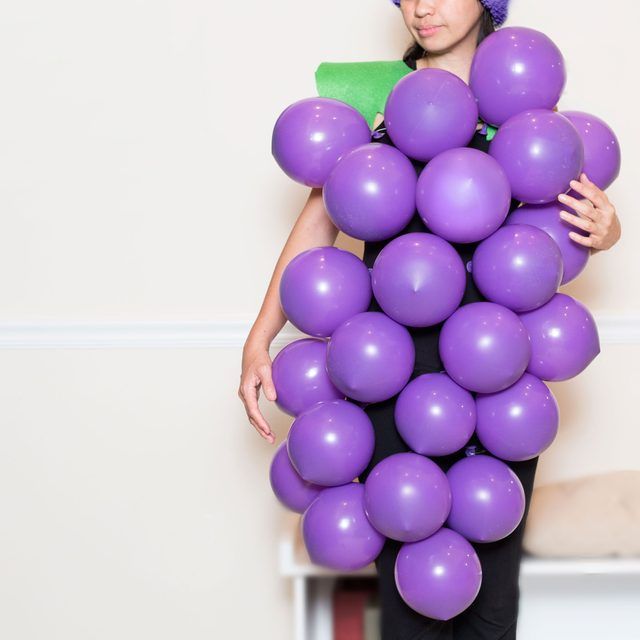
{"x":452,"y":321}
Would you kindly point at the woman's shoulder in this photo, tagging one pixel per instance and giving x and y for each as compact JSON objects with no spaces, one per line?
{"x":363,"y":85}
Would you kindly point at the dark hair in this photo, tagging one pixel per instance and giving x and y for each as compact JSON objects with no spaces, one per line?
{"x":415,"y":51}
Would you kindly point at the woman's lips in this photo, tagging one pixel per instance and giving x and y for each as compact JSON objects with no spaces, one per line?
{"x":428,"y":31}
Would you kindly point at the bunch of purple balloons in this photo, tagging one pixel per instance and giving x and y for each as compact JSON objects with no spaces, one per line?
{"x":502,"y":350}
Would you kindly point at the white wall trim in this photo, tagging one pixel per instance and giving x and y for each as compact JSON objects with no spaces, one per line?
{"x":216,"y":334}
{"x":147,"y":334}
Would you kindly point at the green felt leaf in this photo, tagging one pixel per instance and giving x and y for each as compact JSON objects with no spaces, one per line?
{"x":491,"y":131}
{"x":363,"y":85}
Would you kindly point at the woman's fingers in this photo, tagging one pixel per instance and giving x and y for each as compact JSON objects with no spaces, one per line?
{"x":256,"y":373}
{"x":267,"y":436}
{"x":586,"y":241}
{"x":582,"y":207}
{"x":577,"y":221}
{"x":596,"y":215}
{"x":264,"y":371}
{"x":249,"y":394}
{"x":590,"y":191}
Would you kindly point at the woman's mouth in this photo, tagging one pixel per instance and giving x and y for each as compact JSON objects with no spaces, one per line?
{"x":427,"y":31}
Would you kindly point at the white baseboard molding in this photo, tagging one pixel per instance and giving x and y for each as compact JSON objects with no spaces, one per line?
{"x":200,"y":334}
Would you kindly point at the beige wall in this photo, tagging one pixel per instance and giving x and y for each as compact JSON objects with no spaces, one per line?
{"x":137,"y":185}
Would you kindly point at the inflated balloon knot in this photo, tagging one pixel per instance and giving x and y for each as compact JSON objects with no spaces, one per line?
{"x":473,"y":450}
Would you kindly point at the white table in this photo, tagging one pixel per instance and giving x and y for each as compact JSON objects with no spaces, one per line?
{"x":561,"y":599}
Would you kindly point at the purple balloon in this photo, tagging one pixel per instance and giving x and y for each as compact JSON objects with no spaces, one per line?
{"x":439,"y":576}
{"x":291,"y":490}
{"x":321,"y":287}
{"x":547,"y":217}
{"x":407,"y":497}
{"x":299,"y":374}
{"x":487,"y":498}
{"x":434,"y":415}
{"x":331,"y":443}
{"x":602,"y":157}
{"x":337,"y":532}
{"x":541,"y":152}
{"x":520,"y":422}
{"x":516,"y":69}
{"x":370,"y":357}
{"x":429,"y":111}
{"x":564,"y":338}
{"x":484,"y":347}
{"x":463,"y":195}
{"x":519,"y":266}
{"x":370,"y":194}
{"x":312,"y":134}
{"x":418,"y":279}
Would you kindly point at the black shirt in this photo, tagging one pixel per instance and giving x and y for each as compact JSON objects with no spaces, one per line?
{"x":426,"y":338}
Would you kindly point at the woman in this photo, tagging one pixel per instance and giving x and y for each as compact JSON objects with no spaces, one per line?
{"x":446,"y":34}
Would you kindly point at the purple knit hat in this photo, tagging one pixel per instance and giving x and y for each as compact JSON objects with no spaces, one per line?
{"x":497,"y":9}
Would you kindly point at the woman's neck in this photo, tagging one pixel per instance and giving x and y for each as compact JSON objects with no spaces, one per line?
{"x":458,"y":62}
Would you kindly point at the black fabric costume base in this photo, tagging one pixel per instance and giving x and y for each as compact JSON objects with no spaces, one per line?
{"x":493,"y":614}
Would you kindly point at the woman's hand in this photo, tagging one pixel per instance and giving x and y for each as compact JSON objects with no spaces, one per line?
{"x":596,"y":215}
{"x":256,"y":372}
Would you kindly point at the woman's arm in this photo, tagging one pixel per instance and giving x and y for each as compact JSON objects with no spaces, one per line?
{"x":313,"y":228}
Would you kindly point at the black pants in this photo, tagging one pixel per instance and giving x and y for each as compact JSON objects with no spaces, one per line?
{"x":493,"y":614}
